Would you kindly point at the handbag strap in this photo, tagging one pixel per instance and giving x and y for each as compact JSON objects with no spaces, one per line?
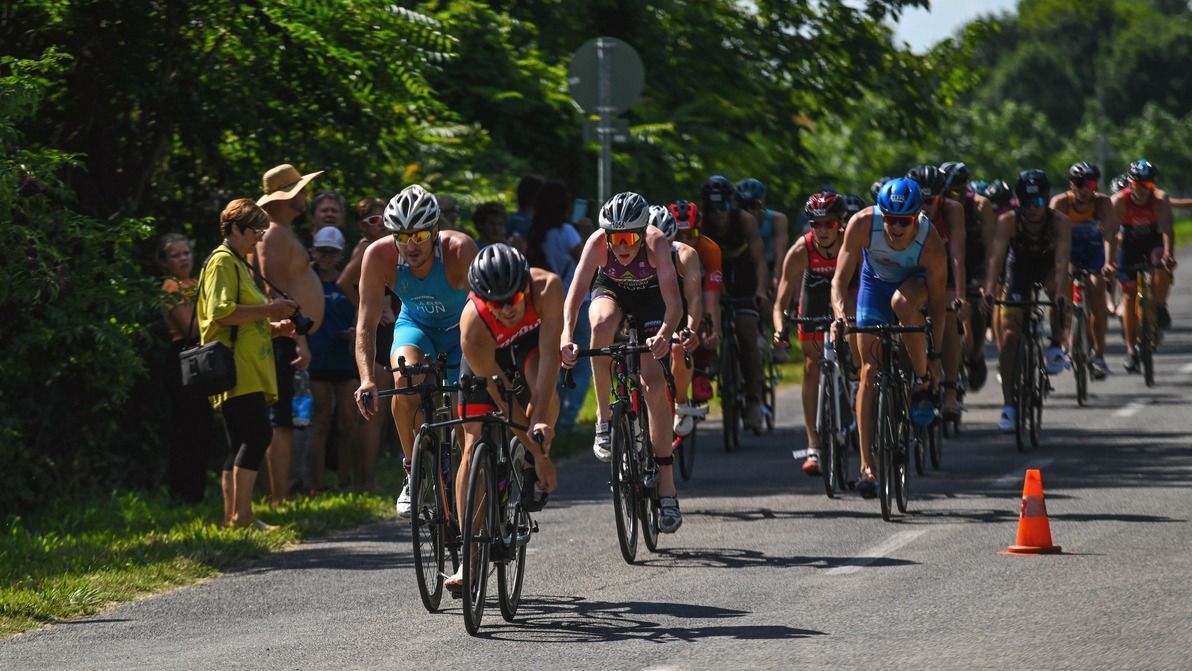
{"x":199,"y":290}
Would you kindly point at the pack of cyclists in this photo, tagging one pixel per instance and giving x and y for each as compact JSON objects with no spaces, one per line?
{"x":938,"y":252}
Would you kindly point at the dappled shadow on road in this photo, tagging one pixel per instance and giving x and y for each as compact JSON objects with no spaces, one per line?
{"x":738,"y":558}
{"x":574,"y":619}
{"x":376,"y":547}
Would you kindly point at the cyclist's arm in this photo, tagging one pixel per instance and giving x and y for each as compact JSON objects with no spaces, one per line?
{"x":372,"y":298}
{"x":988,"y":219}
{"x":713,"y":280}
{"x":542,"y":409}
{"x":757,"y":251}
{"x":458,"y":251}
{"x":1107,"y":215}
{"x":954,"y":214}
{"x":856,"y":235}
{"x":1118,"y":201}
{"x":1063,"y":252}
{"x":791,"y":282}
{"x":1166,"y":222}
{"x":997,"y":251}
{"x":592,"y":256}
{"x":349,"y":279}
{"x":691,"y":287}
{"x":935,"y":261}
{"x":668,"y":281}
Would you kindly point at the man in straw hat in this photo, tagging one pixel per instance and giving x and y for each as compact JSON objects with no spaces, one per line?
{"x":284,"y":261}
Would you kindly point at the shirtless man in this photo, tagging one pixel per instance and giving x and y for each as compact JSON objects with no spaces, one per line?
{"x":283,"y":260}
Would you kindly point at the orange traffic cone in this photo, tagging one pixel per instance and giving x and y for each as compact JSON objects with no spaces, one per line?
{"x":1034,"y":531}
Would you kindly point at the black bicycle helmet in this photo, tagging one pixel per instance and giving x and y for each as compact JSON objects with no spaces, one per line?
{"x":852,"y":205}
{"x":1120,"y":182}
{"x":1032,"y":184}
{"x":1082,"y":171}
{"x":498,"y":272}
{"x":626,"y":211}
{"x":998,"y":192}
{"x":932,"y":181}
{"x":717,"y":190}
{"x":1142,"y":171}
{"x":877,"y":186}
{"x":957,"y":175}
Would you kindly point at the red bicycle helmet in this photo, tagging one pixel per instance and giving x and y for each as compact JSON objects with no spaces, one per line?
{"x":686,"y":214}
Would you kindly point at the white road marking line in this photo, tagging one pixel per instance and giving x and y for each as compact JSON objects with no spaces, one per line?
{"x":1130,"y":409}
{"x":879,"y":551}
{"x":1186,"y":369}
{"x":1015,"y":476}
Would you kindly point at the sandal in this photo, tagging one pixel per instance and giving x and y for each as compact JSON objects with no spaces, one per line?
{"x":669,"y":519}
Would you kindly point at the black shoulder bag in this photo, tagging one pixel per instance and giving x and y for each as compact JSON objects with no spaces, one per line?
{"x":209,"y":369}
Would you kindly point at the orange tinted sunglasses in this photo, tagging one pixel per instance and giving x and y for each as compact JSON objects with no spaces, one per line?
{"x":515,"y":299}
{"x":1149,"y":186}
{"x":404,"y":238}
{"x":624,"y":238}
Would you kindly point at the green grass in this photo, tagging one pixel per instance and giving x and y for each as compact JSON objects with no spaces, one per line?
{"x":1183,"y":231}
{"x":76,"y":558}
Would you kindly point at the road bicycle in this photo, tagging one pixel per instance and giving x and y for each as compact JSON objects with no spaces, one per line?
{"x":1146,"y":336}
{"x":1031,"y":383}
{"x":892,"y":436}
{"x":1080,"y":349}
{"x":835,"y":425}
{"x":634,"y":472}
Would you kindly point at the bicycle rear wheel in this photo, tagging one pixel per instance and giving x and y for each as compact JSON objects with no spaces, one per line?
{"x":686,"y":453}
{"x":770,"y":392}
{"x":428,"y":520}
{"x":648,"y":510}
{"x":1146,"y":341}
{"x":1080,"y":358}
{"x":919,"y":441}
{"x":512,"y":571}
{"x":936,"y":441}
{"x":479,"y":530}
{"x":730,"y":387}
{"x":1039,"y":383}
{"x":1022,"y":391}
{"x":625,"y":482}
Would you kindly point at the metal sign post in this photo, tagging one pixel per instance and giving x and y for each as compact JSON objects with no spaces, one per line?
{"x":604,"y":108}
{"x":606,"y":78}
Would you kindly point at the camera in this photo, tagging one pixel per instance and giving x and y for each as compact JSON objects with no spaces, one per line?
{"x":302,"y":323}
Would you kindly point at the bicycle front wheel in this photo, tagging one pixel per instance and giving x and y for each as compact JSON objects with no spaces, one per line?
{"x":883,"y":446}
{"x":1080,"y":358}
{"x":1039,"y":386}
{"x":479,"y":530}
{"x":428,"y":520}
{"x":730,"y":383}
{"x":1146,"y":340}
{"x":625,"y":482}
{"x":826,"y":435}
{"x":1022,"y":391}
{"x":686,"y":453}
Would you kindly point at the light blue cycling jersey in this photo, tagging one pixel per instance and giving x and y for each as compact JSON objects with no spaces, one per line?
{"x":431,"y":301}
{"x":893,"y":266}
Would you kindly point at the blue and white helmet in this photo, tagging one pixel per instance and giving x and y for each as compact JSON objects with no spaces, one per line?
{"x":900,"y":197}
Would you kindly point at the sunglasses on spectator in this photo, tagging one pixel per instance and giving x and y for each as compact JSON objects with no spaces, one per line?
{"x":903,"y":221}
{"x":515,"y":299}
{"x":624,"y":238}
{"x":825,"y":223}
{"x":417,"y":237}
{"x":374,"y":220}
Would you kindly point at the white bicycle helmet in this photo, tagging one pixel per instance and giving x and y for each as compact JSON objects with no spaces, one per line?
{"x":663,"y":220}
{"x":626,"y":211}
{"x":413,"y":209}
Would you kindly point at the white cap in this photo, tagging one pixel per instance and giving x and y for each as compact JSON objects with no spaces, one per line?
{"x":329,"y":236}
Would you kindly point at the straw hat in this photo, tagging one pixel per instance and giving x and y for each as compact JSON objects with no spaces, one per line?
{"x":283,"y":183}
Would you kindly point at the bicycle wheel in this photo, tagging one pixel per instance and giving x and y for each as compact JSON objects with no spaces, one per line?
{"x":1039,"y":384}
{"x":1022,"y":391}
{"x":728,"y":392}
{"x":936,"y":442}
{"x":826,"y":435}
{"x":686,"y":453}
{"x":919,"y":440}
{"x":512,"y":570}
{"x":770,"y":392}
{"x":648,"y":510}
{"x":625,"y":482}
{"x":428,"y":520}
{"x":901,"y":426}
{"x":1080,"y":358}
{"x":479,"y":530}
{"x":883,"y":446}
{"x":1146,"y":341}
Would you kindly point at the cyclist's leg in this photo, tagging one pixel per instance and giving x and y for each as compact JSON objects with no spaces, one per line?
{"x":1161,"y":277}
{"x":907,"y":303}
{"x":658,"y":403}
{"x":1128,"y":305}
{"x":606,"y":319}
{"x":410,"y":342}
{"x":812,"y":348}
{"x":871,"y":363}
{"x":1057,"y":320}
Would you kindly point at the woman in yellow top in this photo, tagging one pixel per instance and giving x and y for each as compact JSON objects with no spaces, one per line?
{"x":190,"y":415}
{"x":230,"y":303}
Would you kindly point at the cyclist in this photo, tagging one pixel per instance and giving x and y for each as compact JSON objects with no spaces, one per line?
{"x":687,"y":219}
{"x":628,"y":265}
{"x":1033,"y":241}
{"x":1091,"y":213}
{"x":807,"y":273}
{"x":1144,"y":214}
{"x":428,"y":270}
{"x":1002,"y":196}
{"x":510,"y":328}
{"x":738,"y":234}
{"x":948,"y":217}
{"x":980,"y":223}
{"x":687,"y":265}
{"x":904,"y":267}
{"x":774,"y":226}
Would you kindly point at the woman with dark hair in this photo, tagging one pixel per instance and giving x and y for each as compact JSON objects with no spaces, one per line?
{"x":190,"y":415}
{"x":555,"y":245}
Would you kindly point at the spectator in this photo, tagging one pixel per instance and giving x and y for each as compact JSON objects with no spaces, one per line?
{"x":333,"y":372}
{"x":369,"y":211}
{"x":284,"y":261}
{"x":555,"y":244}
{"x":517,"y":226}
{"x":328,"y":208}
{"x":190,"y":415}
{"x":233,"y":310}
{"x":448,"y":213}
{"x":489,"y":220}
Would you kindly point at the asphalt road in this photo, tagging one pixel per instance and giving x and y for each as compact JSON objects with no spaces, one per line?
{"x":765,"y":573}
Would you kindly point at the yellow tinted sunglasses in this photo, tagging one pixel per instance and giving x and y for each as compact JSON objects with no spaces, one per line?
{"x":415,"y":236}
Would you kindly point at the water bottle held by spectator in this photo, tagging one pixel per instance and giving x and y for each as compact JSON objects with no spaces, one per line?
{"x":303,"y":402}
